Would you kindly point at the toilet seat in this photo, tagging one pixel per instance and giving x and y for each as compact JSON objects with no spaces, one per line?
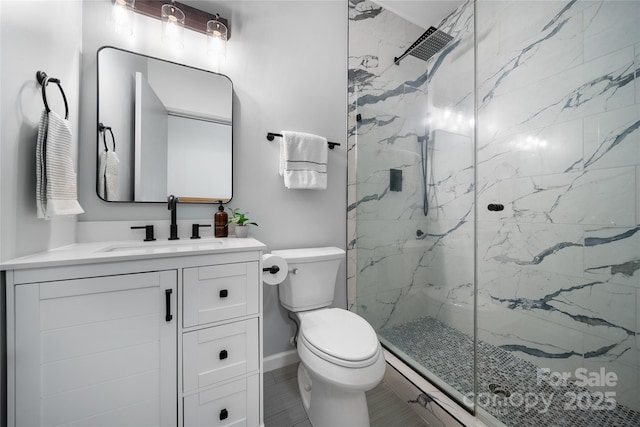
{"x":340,"y":337}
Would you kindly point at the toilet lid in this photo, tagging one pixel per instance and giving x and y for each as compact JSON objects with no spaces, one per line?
{"x":339,"y":333}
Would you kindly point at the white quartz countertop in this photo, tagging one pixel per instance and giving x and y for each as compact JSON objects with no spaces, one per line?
{"x":88,"y":253}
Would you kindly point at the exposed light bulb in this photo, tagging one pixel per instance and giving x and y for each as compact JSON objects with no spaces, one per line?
{"x":122,"y":16}
{"x":172,"y":27}
{"x":217,"y":40}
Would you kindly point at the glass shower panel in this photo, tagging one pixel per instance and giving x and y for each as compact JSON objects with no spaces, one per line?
{"x":559,"y":148}
{"x":414,"y":205}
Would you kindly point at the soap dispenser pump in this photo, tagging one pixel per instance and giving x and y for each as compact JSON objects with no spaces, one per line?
{"x":220,"y":222}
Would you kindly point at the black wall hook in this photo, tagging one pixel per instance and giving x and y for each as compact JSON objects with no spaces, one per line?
{"x":44,"y":80}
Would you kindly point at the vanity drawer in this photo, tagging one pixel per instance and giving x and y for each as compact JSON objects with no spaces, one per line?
{"x":233,"y":404}
{"x":219,"y":292}
{"x":216,"y":354}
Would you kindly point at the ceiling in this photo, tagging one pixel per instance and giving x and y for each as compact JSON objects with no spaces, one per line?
{"x":423,"y":13}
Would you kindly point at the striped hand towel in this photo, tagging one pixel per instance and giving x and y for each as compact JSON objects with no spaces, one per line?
{"x":303,"y":160}
{"x":56,"y":191}
{"x":108,"y":169}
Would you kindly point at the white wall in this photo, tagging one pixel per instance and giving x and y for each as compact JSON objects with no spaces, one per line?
{"x":289,"y":73}
{"x":35,"y":35}
{"x":30,"y":40}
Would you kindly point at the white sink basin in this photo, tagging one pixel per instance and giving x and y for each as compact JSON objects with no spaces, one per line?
{"x":163,"y":246}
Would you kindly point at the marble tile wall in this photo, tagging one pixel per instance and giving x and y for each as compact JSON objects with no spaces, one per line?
{"x":401,"y":261}
{"x":558,"y":144}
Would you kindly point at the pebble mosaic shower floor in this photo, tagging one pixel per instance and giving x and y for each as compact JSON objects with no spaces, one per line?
{"x":509,"y":387}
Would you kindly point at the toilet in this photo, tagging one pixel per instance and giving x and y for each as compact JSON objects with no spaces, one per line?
{"x":341,"y":357}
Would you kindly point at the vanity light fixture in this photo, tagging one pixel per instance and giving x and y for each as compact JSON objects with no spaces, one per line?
{"x":172,"y":26}
{"x":176,"y":17}
{"x":122,"y":16}
{"x":217,"y":39}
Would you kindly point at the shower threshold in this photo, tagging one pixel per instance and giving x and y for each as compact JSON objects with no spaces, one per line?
{"x":504,"y":379}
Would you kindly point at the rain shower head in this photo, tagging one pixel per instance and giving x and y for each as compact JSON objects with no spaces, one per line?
{"x":427,"y":45}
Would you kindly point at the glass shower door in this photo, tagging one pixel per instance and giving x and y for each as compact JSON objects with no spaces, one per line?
{"x":414,"y":209}
{"x":559,"y":147}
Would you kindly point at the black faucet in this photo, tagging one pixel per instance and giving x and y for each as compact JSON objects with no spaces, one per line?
{"x":172,"y":206}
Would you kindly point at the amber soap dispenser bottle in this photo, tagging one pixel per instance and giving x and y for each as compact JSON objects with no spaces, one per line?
{"x":220,"y":222}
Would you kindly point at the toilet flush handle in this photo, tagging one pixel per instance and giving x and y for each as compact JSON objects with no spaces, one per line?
{"x":293,"y":271}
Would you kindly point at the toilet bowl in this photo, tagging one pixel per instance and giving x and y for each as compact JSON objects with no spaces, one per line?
{"x":341,"y":357}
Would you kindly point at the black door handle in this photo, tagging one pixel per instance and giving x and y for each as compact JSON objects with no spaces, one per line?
{"x":167,"y":294}
{"x":495,"y":207}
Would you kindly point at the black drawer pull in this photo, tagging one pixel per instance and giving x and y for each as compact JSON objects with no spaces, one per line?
{"x":223,"y":354}
{"x":224,"y":414}
{"x":167,"y":294}
{"x":224,"y":293}
{"x":495,"y":207}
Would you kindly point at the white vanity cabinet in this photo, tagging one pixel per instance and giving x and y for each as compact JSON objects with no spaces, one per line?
{"x":220,"y":351}
{"x":151,"y":341}
{"x":96,"y":351}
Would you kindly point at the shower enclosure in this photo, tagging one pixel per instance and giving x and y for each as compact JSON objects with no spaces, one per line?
{"x":494,"y":204}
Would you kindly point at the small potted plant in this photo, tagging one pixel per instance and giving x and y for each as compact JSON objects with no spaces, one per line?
{"x":241,"y":222}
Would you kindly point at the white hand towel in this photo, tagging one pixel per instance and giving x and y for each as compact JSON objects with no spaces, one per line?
{"x":56,"y":191}
{"x":111,"y":175}
{"x":108,"y":169}
{"x":303,"y":160}
{"x":102,"y":167}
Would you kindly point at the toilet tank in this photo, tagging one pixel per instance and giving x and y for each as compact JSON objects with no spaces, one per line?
{"x":311,"y":279}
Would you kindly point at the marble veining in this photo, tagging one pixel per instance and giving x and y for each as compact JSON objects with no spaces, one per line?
{"x":610,"y":143}
{"x":558,"y":144}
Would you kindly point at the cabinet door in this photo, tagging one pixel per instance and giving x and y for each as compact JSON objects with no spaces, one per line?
{"x":98,"y":351}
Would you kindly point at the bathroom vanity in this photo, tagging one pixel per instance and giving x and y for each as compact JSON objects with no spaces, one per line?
{"x":153,"y":334}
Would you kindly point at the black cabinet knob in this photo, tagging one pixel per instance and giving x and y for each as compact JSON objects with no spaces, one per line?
{"x":223,"y":354}
{"x":495,"y":207}
{"x":224,"y":293}
{"x":224,"y":414}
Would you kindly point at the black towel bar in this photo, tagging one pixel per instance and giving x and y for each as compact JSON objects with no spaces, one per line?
{"x":44,"y":80}
{"x":271,"y":136}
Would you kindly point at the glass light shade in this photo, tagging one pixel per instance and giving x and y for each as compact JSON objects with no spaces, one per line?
{"x":122,"y":16}
{"x":172,"y":26}
{"x":216,"y":40}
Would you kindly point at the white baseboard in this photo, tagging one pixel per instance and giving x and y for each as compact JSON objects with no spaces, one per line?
{"x":280,"y":360}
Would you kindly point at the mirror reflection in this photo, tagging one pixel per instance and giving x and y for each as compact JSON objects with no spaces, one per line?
{"x":164,"y":128}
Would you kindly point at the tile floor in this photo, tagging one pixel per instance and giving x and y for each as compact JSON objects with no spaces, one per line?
{"x":283,"y":406}
{"x":447,"y":353}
